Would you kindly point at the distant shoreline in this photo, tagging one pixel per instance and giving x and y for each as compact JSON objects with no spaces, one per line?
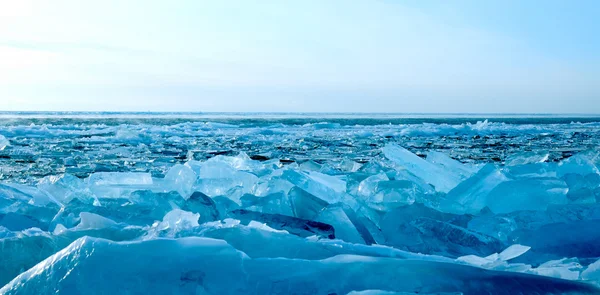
{"x":265,"y":119}
{"x":283,"y":115}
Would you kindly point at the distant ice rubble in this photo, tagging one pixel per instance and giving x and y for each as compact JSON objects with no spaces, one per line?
{"x":233,"y":225}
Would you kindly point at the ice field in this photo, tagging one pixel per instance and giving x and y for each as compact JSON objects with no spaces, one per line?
{"x":110,"y":203}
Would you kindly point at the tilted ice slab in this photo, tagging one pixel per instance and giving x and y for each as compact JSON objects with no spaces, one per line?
{"x":442,"y":180}
{"x":192,"y":265}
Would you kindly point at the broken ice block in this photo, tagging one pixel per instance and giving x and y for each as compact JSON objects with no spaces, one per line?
{"x":328,"y":188}
{"x":530,"y":194}
{"x":93,"y":221}
{"x":441,"y":179}
{"x":581,"y":163}
{"x":495,"y":260}
{"x":368,"y":187}
{"x":592,"y":272}
{"x":305,"y":205}
{"x":532,"y":170}
{"x":566,"y":268}
{"x":181,"y":179}
{"x":524,"y":158}
{"x":558,"y":240}
{"x":272,"y":184}
{"x":425,"y":230}
{"x":450,"y":165}
{"x":216,"y":178}
{"x":346,"y":224}
{"x":64,"y":187}
{"x":499,"y":227}
{"x":277,"y":203}
{"x":22,"y":250}
{"x":471,"y":195}
{"x":394,"y":193}
{"x":581,"y":188}
{"x":175,"y":221}
{"x":200,"y":203}
{"x":118,"y":184}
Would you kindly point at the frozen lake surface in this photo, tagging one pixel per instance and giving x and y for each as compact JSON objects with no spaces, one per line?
{"x":263,"y":203}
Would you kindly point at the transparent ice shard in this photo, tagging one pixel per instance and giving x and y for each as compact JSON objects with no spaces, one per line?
{"x":471,"y":195}
{"x":305,"y":205}
{"x":64,"y":187}
{"x":272,"y":184}
{"x":277,"y":203}
{"x":368,"y":187}
{"x":328,"y":188}
{"x":394,"y":193}
{"x":582,"y":163}
{"x":450,"y":165}
{"x":117,"y":184}
{"x":425,"y":230}
{"x":344,"y":228}
{"x":530,"y":194}
{"x":311,"y":165}
{"x":181,"y":179}
{"x":523,"y":158}
{"x":499,"y":227}
{"x":442,"y":180}
{"x":218,"y":177}
{"x":581,"y":188}
{"x":176,"y":221}
{"x":203,"y":205}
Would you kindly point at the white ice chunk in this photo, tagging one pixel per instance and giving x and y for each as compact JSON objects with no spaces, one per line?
{"x":567,"y":268}
{"x":93,"y":221}
{"x":59,"y":229}
{"x":475,"y":260}
{"x":3,"y":142}
{"x":513,"y":251}
{"x":177,"y":220}
{"x":265,"y":227}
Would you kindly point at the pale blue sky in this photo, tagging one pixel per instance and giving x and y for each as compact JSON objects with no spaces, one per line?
{"x":306,"y":56}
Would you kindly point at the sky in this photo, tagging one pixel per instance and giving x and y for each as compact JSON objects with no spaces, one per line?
{"x":459,"y":56}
